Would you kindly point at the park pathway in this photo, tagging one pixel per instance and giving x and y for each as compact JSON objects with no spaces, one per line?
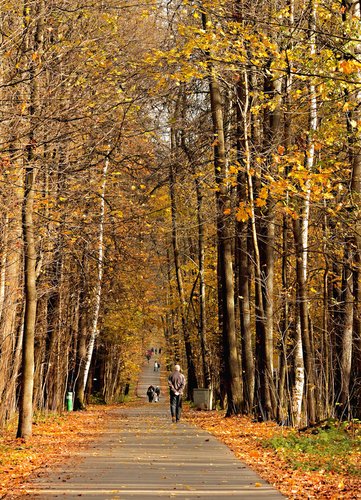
{"x":141,"y":454}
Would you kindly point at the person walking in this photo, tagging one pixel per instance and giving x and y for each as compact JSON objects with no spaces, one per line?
{"x":156,"y":394}
{"x":150,"y":393}
{"x":176,"y":383}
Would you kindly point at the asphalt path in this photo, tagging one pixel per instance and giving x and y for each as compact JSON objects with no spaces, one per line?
{"x":142,"y":454}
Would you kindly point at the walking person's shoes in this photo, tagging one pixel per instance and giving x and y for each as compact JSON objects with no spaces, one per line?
{"x":173,"y":420}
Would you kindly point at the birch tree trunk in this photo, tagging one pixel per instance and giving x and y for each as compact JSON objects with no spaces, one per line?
{"x":301,"y":240}
{"x":99,"y":282}
{"x":79,"y":400}
{"x":302,"y":301}
{"x":285,"y":322}
{"x":299,"y":374}
{"x":3,"y":249}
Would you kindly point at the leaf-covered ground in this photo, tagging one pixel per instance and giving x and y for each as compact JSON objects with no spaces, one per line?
{"x":301,"y":466}
{"x":55,"y":437}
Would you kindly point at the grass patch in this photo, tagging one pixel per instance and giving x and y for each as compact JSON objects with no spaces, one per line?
{"x":333,"y":450}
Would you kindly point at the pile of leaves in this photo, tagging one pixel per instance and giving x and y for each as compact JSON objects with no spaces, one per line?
{"x":55,"y":437}
{"x":315,"y":464}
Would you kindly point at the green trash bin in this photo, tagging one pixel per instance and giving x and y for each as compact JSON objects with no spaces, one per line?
{"x":69,"y":401}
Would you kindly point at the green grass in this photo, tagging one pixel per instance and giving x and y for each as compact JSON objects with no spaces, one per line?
{"x":332,"y":450}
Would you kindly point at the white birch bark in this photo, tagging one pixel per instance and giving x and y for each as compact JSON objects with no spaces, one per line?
{"x":299,"y":377}
{"x":98,"y":289}
{"x":3,"y":263}
{"x":298,"y":353}
{"x":310,"y":158}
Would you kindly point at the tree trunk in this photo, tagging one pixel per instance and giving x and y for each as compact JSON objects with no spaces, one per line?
{"x":264,"y":381}
{"x":302,"y":300}
{"x":243,"y":257}
{"x":353,"y":10}
{"x":99,"y":282}
{"x":232,"y":369}
{"x":284,"y":323}
{"x":12,"y":253}
{"x":299,"y":374}
{"x":191,"y":372}
{"x":301,"y":229}
{"x":286,"y":317}
{"x":202,"y":287}
{"x":344,"y":409}
{"x":79,"y":400}
{"x":27,"y":376}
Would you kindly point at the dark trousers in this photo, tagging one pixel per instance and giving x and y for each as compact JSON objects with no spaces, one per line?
{"x":175,"y":405}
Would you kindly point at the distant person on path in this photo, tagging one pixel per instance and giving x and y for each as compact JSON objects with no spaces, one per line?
{"x":156,"y":394}
{"x":156,"y":366}
{"x":150,"y":393}
{"x":176,"y":382}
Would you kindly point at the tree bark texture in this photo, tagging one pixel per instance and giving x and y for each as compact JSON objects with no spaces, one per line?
{"x":35,"y":42}
{"x":225,"y":236}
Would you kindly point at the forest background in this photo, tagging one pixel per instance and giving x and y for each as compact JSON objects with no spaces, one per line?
{"x":184,"y":168}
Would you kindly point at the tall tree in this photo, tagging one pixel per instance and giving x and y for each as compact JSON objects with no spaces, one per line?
{"x":32,"y":49}
{"x":225,"y":236}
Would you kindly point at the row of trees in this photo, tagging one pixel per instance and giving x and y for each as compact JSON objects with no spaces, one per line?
{"x":185,"y":167}
{"x":267,"y":93}
{"x":73,"y":149}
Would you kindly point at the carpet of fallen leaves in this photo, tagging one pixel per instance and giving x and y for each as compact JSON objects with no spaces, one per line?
{"x":245,"y":438}
{"x":55,"y":437}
